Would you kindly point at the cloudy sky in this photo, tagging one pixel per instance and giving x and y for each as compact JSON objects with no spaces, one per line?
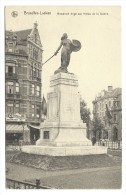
{"x":98,"y":63}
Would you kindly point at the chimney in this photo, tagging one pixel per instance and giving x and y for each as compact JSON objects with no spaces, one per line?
{"x":110,"y":88}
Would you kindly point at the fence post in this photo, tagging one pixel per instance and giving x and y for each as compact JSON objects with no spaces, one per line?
{"x":37,"y":183}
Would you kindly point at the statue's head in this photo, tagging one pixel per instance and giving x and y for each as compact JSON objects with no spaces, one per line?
{"x":64,"y":36}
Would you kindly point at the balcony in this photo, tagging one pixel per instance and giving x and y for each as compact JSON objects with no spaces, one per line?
{"x":11,"y":76}
{"x":13,"y":96}
{"x":35,"y":98}
{"x":36,"y":79}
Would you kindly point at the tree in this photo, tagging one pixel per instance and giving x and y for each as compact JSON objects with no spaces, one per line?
{"x":97,"y":126}
{"x":85,"y":113}
{"x":44,"y":106}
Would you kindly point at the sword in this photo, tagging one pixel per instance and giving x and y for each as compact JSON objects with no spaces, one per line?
{"x":48,"y":59}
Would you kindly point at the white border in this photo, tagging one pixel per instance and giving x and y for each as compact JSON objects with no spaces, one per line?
{"x":4,"y":3}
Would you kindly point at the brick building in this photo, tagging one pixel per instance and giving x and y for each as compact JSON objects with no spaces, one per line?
{"x":108,"y":107}
{"x":23,"y":66}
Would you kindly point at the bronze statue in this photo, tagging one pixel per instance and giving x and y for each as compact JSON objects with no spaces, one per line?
{"x":68,"y":47}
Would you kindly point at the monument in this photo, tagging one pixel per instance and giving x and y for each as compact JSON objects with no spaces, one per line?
{"x":64,"y":133}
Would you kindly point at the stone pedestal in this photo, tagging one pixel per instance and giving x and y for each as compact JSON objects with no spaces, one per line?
{"x":63,"y":133}
{"x":63,"y":126}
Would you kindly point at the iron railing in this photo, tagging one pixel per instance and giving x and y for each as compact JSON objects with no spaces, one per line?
{"x":110,"y":144}
{"x":13,"y":96}
{"x":11,"y":75}
{"x":16,"y":184}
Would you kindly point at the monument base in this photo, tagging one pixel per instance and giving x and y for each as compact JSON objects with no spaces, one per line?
{"x":63,"y":133}
{"x":64,"y":151}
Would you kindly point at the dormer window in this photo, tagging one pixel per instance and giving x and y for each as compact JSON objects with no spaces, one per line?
{"x":10,"y":47}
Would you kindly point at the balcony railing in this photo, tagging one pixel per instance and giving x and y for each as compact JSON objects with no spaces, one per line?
{"x":11,"y":75}
{"x":35,"y":98}
{"x":13,"y":96}
{"x":36,"y":78}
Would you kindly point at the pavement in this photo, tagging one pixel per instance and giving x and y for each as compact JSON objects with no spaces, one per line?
{"x":91,"y":178}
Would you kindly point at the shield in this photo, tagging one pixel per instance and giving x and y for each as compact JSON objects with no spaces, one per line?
{"x":76,"y":45}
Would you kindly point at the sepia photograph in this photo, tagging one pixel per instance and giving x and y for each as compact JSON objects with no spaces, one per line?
{"x":63,"y":97}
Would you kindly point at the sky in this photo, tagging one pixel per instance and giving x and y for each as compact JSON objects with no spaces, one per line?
{"x":98,"y":28}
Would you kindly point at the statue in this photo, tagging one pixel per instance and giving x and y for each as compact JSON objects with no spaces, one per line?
{"x":68,"y":47}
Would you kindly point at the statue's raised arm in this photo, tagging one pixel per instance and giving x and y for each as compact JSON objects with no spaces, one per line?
{"x":68,"y":47}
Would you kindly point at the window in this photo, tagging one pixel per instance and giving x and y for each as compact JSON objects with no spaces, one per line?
{"x":17,"y":108}
{"x":38,"y":90}
{"x":10,"y":47}
{"x":115,"y":117}
{"x":10,"y":109}
{"x":10,"y":87}
{"x":33,"y":89}
{"x":10,"y":68}
{"x":35,"y":72}
{"x":38,"y":111}
{"x":46,"y":134}
{"x":17,"y":87}
{"x":35,"y":54}
{"x":32,"y":72}
{"x":33,"y":110}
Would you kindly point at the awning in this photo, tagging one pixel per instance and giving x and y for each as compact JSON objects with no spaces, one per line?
{"x":16,"y":128}
{"x":34,"y":127}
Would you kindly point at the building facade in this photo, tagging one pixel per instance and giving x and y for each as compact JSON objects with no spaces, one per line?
{"x":23,"y":67}
{"x":107,"y":106}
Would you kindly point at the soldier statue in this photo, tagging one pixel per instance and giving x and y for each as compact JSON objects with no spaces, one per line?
{"x":68,"y":47}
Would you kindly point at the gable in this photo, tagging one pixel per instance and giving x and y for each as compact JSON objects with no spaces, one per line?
{"x":35,"y":37}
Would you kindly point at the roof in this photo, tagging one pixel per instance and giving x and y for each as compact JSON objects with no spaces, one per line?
{"x":113,"y":93}
{"x":108,"y":94}
{"x":116,"y":92}
{"x":16,"y":128}
{"x":23,"y":34}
